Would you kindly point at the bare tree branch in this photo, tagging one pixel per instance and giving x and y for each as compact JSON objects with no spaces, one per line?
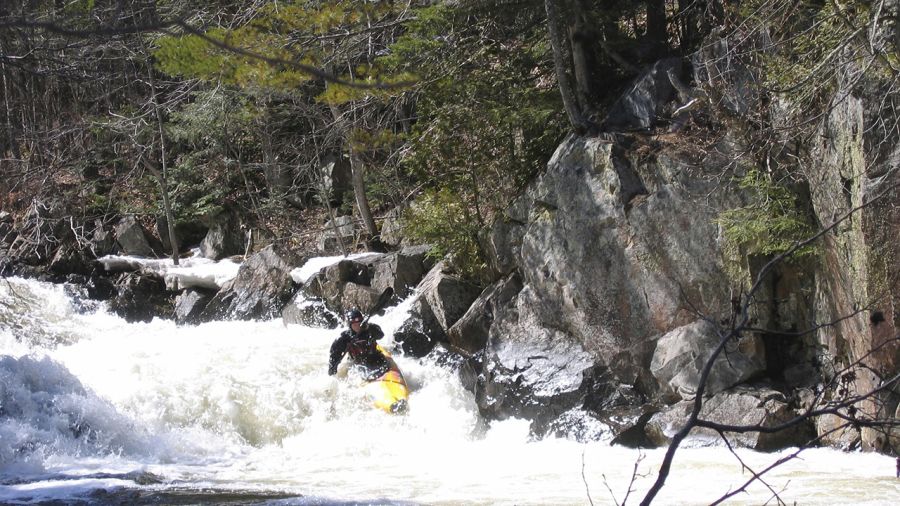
{"x":168,"y":26}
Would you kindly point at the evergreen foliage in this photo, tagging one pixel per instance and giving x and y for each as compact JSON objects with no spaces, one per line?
{"x":487,"y":118}
{"x":463,"y":106}
{"x":772,"y":223}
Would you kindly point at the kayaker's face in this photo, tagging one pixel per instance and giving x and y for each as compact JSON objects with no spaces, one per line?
{"x":354,"y":325}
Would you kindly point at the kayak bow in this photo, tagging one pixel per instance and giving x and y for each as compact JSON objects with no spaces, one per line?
{"x":389,"y":391}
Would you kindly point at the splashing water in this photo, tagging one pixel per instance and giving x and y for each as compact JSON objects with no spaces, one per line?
{"x":95,"y":409}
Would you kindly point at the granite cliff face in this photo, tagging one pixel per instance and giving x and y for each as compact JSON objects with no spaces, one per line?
{"x":615,"y":279}
{"x":612,"y":251}
{"x":857,"y":276}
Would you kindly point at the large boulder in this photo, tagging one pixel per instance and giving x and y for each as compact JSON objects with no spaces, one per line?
{"x":531,"y":371}
{"x":445,"y":296}
{"x":441,"y":301}
{"x":337,"y":235}
{"x":738,"y":407}
{"x":359,"y":283}
{"x":682,"y":354}
{"x":102,"y":241}
{"x":402,"y":270}
{"x":855,"y":168}
{"x":140,"y":298}
{"x":470,"y":333}
{"x":612,"y":253}
{"x":309,"y":312}
{"x":330,"y":283}
{"x":223,"y":239}
{"x":358,"y":296}
{"x":131,"y":238}
{"x":261,"y":289}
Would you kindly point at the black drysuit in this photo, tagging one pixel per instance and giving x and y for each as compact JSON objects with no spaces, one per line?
{"x":361,"y":347}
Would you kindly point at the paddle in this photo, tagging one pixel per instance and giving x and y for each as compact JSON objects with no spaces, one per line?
{"x":382,"y":301}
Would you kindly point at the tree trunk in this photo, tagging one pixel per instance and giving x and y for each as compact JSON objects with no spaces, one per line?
{"x":270,"y":164}
{"x":357,"y":171}
{"x":561,"y":64}
{"x":656,"y":27}
{"x":161,"y":175}
{"x":583,"y":64}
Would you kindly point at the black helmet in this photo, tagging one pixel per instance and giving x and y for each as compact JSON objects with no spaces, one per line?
{"x":354,"y":315}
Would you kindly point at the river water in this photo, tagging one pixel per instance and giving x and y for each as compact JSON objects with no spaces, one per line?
{"x":94,"y":410}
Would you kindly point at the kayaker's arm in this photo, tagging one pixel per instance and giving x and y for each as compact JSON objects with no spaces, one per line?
{"x":338,"y":349}
{"x":374,"y":331}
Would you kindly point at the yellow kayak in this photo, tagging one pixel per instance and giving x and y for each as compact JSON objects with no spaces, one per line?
{"x":389,"y":391}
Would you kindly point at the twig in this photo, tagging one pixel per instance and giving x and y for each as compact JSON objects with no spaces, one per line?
{"x":756,"y":476}
{"x":587,"y":489}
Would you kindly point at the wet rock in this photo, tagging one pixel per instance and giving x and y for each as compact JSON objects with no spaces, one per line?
{"x":100,"y":288}
{"x":309,"y":312}
{"x":140,"y":298}
{"x":682,"y":354}
{"x":442,"y":300}
{"x":531,"y":371}
{"x":261,"y":289}
{"x":742,"y":406}
{"x":357,"y":296}
{"x":189,"y":305}
{"x":414,"y":338}
{"x":470,"y":333}
{"x":629,"y":426}
{"x":401,"y":270}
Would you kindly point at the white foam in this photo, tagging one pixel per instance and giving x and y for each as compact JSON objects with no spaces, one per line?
{"x":303,"y":273}
{"x":249,"y":406}
{"x":194,"y":271}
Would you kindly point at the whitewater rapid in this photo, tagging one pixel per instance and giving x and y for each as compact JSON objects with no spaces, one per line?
{"x":95,"y":409}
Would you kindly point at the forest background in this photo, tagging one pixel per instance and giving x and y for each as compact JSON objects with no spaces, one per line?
{"x":130,"y":107}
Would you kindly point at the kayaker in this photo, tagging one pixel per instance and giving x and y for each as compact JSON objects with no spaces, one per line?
{"x":359,"y":342}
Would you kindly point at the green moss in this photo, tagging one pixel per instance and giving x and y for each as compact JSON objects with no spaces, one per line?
{"x":772,"y":223}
